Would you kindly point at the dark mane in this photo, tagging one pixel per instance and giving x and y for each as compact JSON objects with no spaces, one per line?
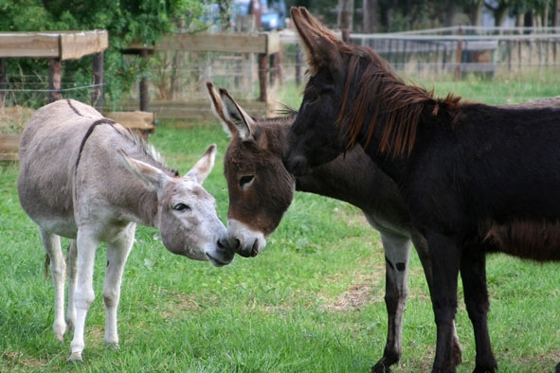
{"x":383,"y":97}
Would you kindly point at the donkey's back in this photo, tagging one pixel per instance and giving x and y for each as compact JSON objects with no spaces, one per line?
{"x":48,"y":152}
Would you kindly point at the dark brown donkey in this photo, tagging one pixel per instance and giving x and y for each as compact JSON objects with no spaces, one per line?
{"x":475,"y":178}
{"x":261,"y":190}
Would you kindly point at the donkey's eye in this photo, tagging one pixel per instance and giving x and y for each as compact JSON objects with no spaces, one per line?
{"x":181,"y":207}
{"x":246,"y":181}
{"x":312,"y":98}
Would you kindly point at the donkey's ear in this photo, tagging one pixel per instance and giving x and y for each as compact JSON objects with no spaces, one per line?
{"x":218,"y":109}
{"x":320,"y":45}
{"x":242,"y":121}
{"x":153,"y":178}
{"x":204,"y":166}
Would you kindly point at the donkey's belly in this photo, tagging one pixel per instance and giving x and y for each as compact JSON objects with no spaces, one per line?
{"x":394,"y":224}
{"x":64,"y":227}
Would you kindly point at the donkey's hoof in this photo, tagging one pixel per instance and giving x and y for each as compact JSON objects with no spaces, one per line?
{"x":490,"y":369}
{"x":113,"y":346}
{"x":75,"y":358}
{"x":381,"y":368}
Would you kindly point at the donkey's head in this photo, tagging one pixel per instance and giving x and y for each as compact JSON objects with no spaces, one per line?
{"x":314,"y":138}
{"x":186,"y":213}
{"x":260,"y":189}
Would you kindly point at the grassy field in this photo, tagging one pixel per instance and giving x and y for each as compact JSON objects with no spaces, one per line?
{"x":311,"y":302}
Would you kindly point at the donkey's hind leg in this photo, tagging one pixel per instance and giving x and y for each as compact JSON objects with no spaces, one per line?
{"x":117,"y":254}
{"x":473,"y":274}
{"x":72,"y":271}
{"x":397,"y":253}
{"x":51,"y":242}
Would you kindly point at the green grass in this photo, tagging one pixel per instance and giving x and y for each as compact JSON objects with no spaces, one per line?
{"x":312,"y":301}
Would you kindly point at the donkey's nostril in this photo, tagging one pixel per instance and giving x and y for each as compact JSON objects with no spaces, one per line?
{"x":237,"y":244}
{"x":297,"y":165}
{"x":255,"y":248}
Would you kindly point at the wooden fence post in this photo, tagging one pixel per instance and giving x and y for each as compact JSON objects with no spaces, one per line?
{"x":299,"y":63}
{"x":55,"y":78}
{"x":3,"y":81}
{"x":98,"y":72}
{"x":263,"y":68}
{"x":144,"y":96}
{"x":459,"y":56}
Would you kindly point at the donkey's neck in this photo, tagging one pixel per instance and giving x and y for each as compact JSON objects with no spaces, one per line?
{"x":147,"y":209}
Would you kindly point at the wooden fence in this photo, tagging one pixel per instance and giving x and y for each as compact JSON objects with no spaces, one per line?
{"x":57,"y":47}
{"x":194,"y":104}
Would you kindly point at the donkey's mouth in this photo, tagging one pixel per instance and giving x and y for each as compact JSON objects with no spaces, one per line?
{"x":215,"y":261}
{"x":220,"y":255}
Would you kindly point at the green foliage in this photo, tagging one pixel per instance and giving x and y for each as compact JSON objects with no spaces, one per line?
{"x":416,"y":14}
{"x":127,"y":21}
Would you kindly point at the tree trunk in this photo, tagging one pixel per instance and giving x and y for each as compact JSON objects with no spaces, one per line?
{"x":370,"y":16}
{"x":475,"y":13}
{"x":555,"y":13}
{"x":528,"y":19}
{"x":449,"y":13}
{"x":345,"y":14}
{"x":500,"y":15}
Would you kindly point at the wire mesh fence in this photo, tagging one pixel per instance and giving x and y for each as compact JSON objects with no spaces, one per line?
{"x":34,"y":90}
{"x":440,"y":54}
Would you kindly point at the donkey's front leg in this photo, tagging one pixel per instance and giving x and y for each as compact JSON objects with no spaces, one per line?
{"x":421,"y":246}
{"x":117,"y":253}
{"x":397,"y":253}
{"x":87,"y":245}
{"x":51,"y":242}
{"x":445,"y":259}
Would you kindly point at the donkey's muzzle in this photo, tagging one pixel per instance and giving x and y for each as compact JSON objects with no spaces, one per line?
{"x":297,"y":165}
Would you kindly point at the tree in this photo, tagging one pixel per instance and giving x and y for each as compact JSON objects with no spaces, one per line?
{"x":369,"y":16}
{"x":500,"y":10}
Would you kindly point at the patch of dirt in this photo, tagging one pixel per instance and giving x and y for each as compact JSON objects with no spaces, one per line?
{"x":357,"y":296}
{"x":178,"y":303}
{"x":16,"y":359}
